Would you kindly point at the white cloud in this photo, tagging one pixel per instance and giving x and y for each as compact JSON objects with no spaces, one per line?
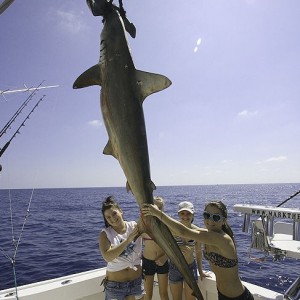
{"x":273,"y":159}
{"x":278,"y":158}
{"x":71,"y":21}
{"x":247,"y":114}
{"x":95,"y":123}
{"x":197,"y":44}
{"x":226,"y":161}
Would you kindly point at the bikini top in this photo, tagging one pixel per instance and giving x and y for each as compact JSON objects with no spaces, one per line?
{"x":147,"y":238}
{"x":181,"y":242}
{"x":220,"y":260}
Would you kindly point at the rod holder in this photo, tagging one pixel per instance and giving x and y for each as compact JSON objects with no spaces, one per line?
{"x":270,"y":226}
{"x":296,"y":230}
{"x":246,"y":223}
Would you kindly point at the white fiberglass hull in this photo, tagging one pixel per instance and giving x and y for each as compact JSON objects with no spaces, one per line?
{"x":87,"y":286}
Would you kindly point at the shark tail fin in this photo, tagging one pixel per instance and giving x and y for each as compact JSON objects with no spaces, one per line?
{"x":92,"y":76}
{"x":151,"y":83}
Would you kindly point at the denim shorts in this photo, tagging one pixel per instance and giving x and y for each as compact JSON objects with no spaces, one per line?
{"x":115,"y":290}
{"x":175,"y":275}
{"x":150,"y":267}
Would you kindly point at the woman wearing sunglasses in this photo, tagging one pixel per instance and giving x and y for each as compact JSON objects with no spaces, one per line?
{"x":219,"y":248}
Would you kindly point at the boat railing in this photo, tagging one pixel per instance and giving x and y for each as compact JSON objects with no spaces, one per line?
{"x":293,"y":292}
{"x":275,"y":230}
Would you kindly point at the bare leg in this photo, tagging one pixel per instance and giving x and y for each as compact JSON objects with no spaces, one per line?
{"x":148,"y":284}
{"x":176,"y":290}
{"x":188,"y":292}
{"x":163,"y":281}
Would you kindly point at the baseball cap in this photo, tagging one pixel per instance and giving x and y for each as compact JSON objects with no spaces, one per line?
{"x":186,"y":205}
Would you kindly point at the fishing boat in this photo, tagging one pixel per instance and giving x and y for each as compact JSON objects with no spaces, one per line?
{"x":274,"y":231}
{"x":280,"y":239}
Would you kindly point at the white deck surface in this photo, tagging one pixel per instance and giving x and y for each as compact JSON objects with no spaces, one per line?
{"x":86,"y":286}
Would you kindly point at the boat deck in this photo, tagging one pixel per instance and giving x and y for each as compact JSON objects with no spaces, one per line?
{"x":87,"y":286}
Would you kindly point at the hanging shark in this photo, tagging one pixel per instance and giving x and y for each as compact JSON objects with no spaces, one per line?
{"x":123,"y":90}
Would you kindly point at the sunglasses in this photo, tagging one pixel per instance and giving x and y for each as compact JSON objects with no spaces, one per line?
{"x":214,"y":217}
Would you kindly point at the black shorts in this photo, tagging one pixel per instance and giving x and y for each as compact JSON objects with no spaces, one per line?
{"x":150,"y":267}
{"x":245,"y":296}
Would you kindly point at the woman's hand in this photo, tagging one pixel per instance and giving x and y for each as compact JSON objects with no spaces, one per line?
{"x":151,"y":210}
{"x":186,"y":250}
{"x":161,"y":260}
{"x":203,"y":274}
{"x":134,"y":234}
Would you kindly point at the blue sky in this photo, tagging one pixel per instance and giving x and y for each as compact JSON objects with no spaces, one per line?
{"x":230,"y":116}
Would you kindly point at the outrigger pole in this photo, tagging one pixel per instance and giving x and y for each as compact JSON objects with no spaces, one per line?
{"x":13,"y":118}
{"x":27,"y":89}
{"x":32,"y":91}
{"x":22,"y":124}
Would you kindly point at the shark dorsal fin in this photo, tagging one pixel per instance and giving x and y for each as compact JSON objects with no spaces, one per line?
{"x":90,"y":77}
{"x":151,"y":83}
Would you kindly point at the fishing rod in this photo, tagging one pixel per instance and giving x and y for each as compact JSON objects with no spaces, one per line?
{"x":22,"y":124}
{"x":289,"y":198}
{"x":13,"y":118}
{"x":4,"y":5}
{"x":24,"y":104}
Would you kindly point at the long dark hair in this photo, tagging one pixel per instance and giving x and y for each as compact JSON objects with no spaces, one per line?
{"x":108,"y":203}
{"x":222,"y":207}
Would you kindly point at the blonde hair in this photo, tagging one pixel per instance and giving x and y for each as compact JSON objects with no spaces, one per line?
{"x":159,"y":202}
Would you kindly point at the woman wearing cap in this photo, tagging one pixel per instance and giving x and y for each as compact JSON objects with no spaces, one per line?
{"x":219,"y":250}
{"x":190,"y":249}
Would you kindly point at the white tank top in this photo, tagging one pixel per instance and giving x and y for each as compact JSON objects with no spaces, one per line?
{"x":131,"y":256}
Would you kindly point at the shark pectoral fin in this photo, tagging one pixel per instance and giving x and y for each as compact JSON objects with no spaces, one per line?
{"x":90,"y":77}
{"x":151,"y":83}
{"x":108,"y":150}
{"x":128,"y":188}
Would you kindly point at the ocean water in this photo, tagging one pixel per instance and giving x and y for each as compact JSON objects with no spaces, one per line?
{"x":60,"y":236}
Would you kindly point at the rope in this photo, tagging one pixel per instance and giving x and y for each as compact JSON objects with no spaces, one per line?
{"x":25,"y":219}
{"x":11,"y":221}
{"x":5,"y":254}
{"x":16,"y":245}
{"x":121,"y":8}
{"x":289,"y":198}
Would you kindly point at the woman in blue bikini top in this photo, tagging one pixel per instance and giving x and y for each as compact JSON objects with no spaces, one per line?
{"x":219,"y":249}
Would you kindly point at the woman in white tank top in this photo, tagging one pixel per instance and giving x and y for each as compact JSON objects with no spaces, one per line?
{"x":121,"y":247}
